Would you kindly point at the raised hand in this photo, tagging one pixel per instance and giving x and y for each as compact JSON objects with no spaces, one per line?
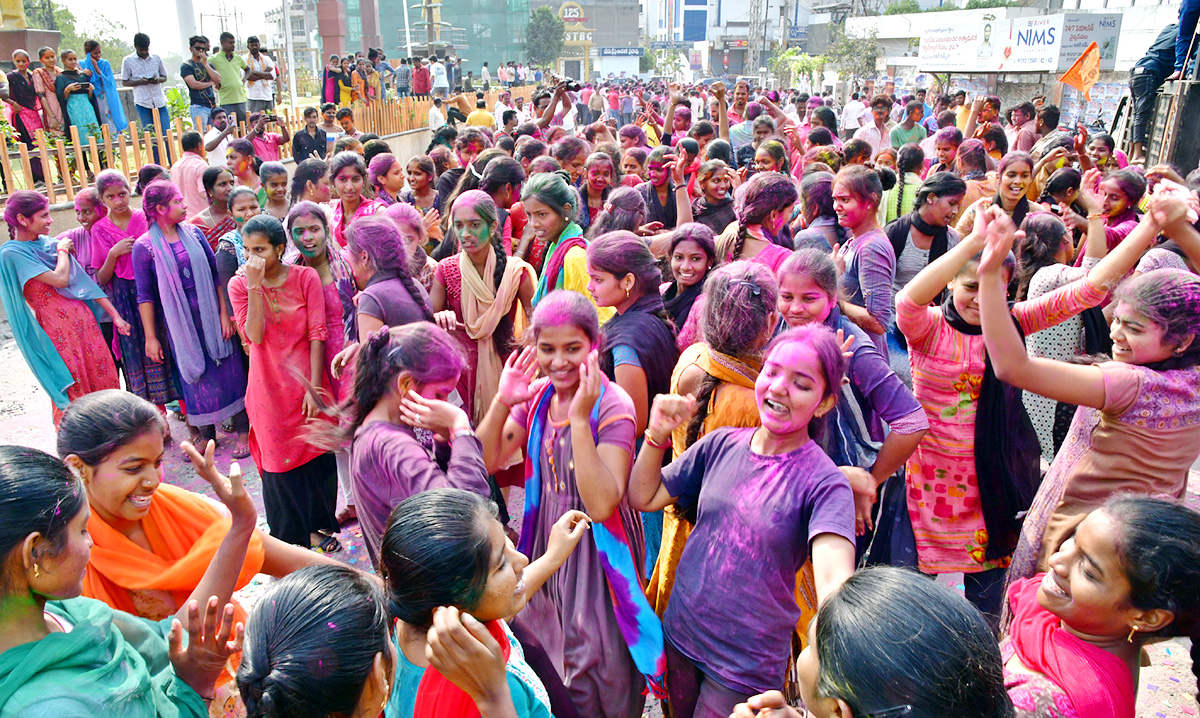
{"x":668,"y":413}
{"x":440,"y":417}
{"x":255,"y":268}
{"x":229,"y":489}
{"x":208,"y":646}
{"x":516,"y":381}
{"x":462,"y":650}
{"x":591,"y":382}
{"x":1088,"y":197}
{"x":1000,"y":235}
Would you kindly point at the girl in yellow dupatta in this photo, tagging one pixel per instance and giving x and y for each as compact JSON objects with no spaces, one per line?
{"x":738,"y":320}
{"x":475,"y":295}
{"x":153,"y":542}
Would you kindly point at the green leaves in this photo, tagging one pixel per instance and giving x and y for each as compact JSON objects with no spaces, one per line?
{"x":544,"y":36}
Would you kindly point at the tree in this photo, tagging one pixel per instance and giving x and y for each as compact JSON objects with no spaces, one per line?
{"x":792,"y":65}
{"x":855,"y":56}
{"x":544,"y":36}
{"x":900,"y":7}
{"x":53,"y":16}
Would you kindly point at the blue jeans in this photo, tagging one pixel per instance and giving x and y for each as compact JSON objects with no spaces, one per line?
{"x":146,"y":116}
{"x":1189,"y":13}
{"x":201,"y":116}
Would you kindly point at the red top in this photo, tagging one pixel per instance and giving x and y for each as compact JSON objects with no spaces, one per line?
{"x":294,"y":316}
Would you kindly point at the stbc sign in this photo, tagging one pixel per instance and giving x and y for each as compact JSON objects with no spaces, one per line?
{"x":573,"y":17}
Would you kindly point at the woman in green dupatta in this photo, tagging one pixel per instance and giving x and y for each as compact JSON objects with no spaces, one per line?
{"x":62,"y":656}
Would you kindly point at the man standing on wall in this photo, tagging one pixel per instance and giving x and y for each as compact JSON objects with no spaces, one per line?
{"x":231,"y":95}
{"x":145,"y":73}
{"x":260,"y":78}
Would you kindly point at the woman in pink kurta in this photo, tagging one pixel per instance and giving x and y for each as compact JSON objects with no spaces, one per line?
{"x":947,"y":370}
{"x":349,"y":174}
{"x":280,"y":313}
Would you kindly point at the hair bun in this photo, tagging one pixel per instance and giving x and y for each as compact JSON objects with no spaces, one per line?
{"x":566,"y":176}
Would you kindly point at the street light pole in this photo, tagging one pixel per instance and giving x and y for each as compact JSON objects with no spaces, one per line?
{"x":287,"y":43}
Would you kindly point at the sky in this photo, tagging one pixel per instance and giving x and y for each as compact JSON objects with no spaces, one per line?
{"x":158,"y":19}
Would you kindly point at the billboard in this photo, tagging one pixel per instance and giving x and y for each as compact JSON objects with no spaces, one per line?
{"x":1043,"y":43}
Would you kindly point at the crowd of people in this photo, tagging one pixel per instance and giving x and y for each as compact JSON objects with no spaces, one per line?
{"x":764,"y":366}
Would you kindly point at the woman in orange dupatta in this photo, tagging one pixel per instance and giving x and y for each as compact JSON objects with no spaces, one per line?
{"x":738,"y":320}
{"x":154,"y":542}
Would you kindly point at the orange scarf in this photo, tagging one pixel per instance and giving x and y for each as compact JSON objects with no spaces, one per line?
{"x":184,"y":531}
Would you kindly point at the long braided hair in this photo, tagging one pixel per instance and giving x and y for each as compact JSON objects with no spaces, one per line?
{"x":763,"y":194}
{"x":739,"y":302}
{"x":380,"y":239}
{"x":910,"y":158}
{"x":484,"y":206}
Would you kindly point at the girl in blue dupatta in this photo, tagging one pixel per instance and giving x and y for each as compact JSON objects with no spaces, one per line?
{"x":105,"y":84}
{"x":63,"y":655}
{"x":577,"y":430}
{"x":177,"y":277}
{"x":551,"y":205}
{"x":52,"y":306}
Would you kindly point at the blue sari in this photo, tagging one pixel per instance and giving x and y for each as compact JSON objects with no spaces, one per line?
{"x":105,"y":84}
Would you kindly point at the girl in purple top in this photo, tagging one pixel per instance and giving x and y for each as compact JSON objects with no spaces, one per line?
{"x":389,"y":295}
{"x":176,"y":275}
{"x":588,"y":430}
{"x":765,"y":497}
{"x":808,"y":294}
{"x":397,"y":415}
{"x":867,"y":261}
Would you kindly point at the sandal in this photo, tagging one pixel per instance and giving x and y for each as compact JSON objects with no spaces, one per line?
{"x":241,"y":451}
{"x":328,"y":543}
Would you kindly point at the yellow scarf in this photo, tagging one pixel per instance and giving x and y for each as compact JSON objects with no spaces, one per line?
{"x":482,"y":310}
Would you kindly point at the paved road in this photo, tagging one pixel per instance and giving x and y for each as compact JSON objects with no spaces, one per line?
{"x":1167,"y":686}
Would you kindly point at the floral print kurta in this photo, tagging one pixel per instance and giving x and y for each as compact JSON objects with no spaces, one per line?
{"x":947,"y":371}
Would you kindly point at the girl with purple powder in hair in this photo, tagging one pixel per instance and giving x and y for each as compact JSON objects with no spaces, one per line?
{"x":597,"y":180}
{"x":666,"y":200}
{"x":414,"y":231}
{"x":633,"y":136}
{"x":176,"y":275}
{"x":49,"y":300}
{"x":624,"y":210}
{"x":764,"y":497}
{"x":866,"y":261}
{"x":113,"y":236}
{"x":388,"y":295}
{"x":577,"y":430}
{"x":386,"y":174}
{"x":766,"y":205}
{"x":1136,"y":427}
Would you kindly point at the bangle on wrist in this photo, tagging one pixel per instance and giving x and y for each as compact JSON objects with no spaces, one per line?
{"x":648,"y":440}
{"x":463,"y":432}
{"x":1097,"y":215}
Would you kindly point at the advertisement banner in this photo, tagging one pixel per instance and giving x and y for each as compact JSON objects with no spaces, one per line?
{"x":1044,"y":43}
{"x":1082,"y":29}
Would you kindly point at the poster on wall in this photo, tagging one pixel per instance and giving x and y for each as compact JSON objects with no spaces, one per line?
{"x":1040,"y":43}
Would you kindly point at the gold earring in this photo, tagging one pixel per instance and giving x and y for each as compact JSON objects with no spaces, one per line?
{"x":37,"y":573}
{"x":627,"y":292}
{"x":1132,"y":630}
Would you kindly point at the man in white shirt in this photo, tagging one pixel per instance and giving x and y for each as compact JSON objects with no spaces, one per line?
{"x":145,"y":73}
{"x":852,"y":116}
{"x":502,"y":105}
{"x":441,"y":84}
{"x":522,"y":111}
{"x":436,"y":118}
{"x":260,"y":78}
{"x":216,"y":140}
{"x":878,"y":133}
{"x":486,"y":76}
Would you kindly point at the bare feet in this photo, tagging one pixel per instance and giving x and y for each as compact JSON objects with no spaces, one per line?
{"x":347,"y":514}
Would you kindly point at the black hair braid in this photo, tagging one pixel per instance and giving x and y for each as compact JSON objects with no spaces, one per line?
{"x":739,"y":242}
{"x":704,"y":395}
{"x":372,"y":378}
{"x":411,"y":286}
{"x":900,"y":191}
{"x":502,"y":336}
{"x":1032,"y":256}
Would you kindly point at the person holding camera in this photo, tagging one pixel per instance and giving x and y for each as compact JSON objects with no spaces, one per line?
{"x":267,"y":144}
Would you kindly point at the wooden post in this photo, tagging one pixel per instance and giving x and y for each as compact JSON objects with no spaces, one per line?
{"x":110,"y":159}
{"x":78,"y":147}
{"x":6,"y":166}
{"x":26,"y":169}
{"x":135,"y":142}
{"x":94,"y":156}
{"x":64,"y":170}
{"x":44,"y":154}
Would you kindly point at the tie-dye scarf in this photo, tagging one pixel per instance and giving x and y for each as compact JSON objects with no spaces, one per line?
{"x":556,"y":257}
{"x":639,"y":625}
